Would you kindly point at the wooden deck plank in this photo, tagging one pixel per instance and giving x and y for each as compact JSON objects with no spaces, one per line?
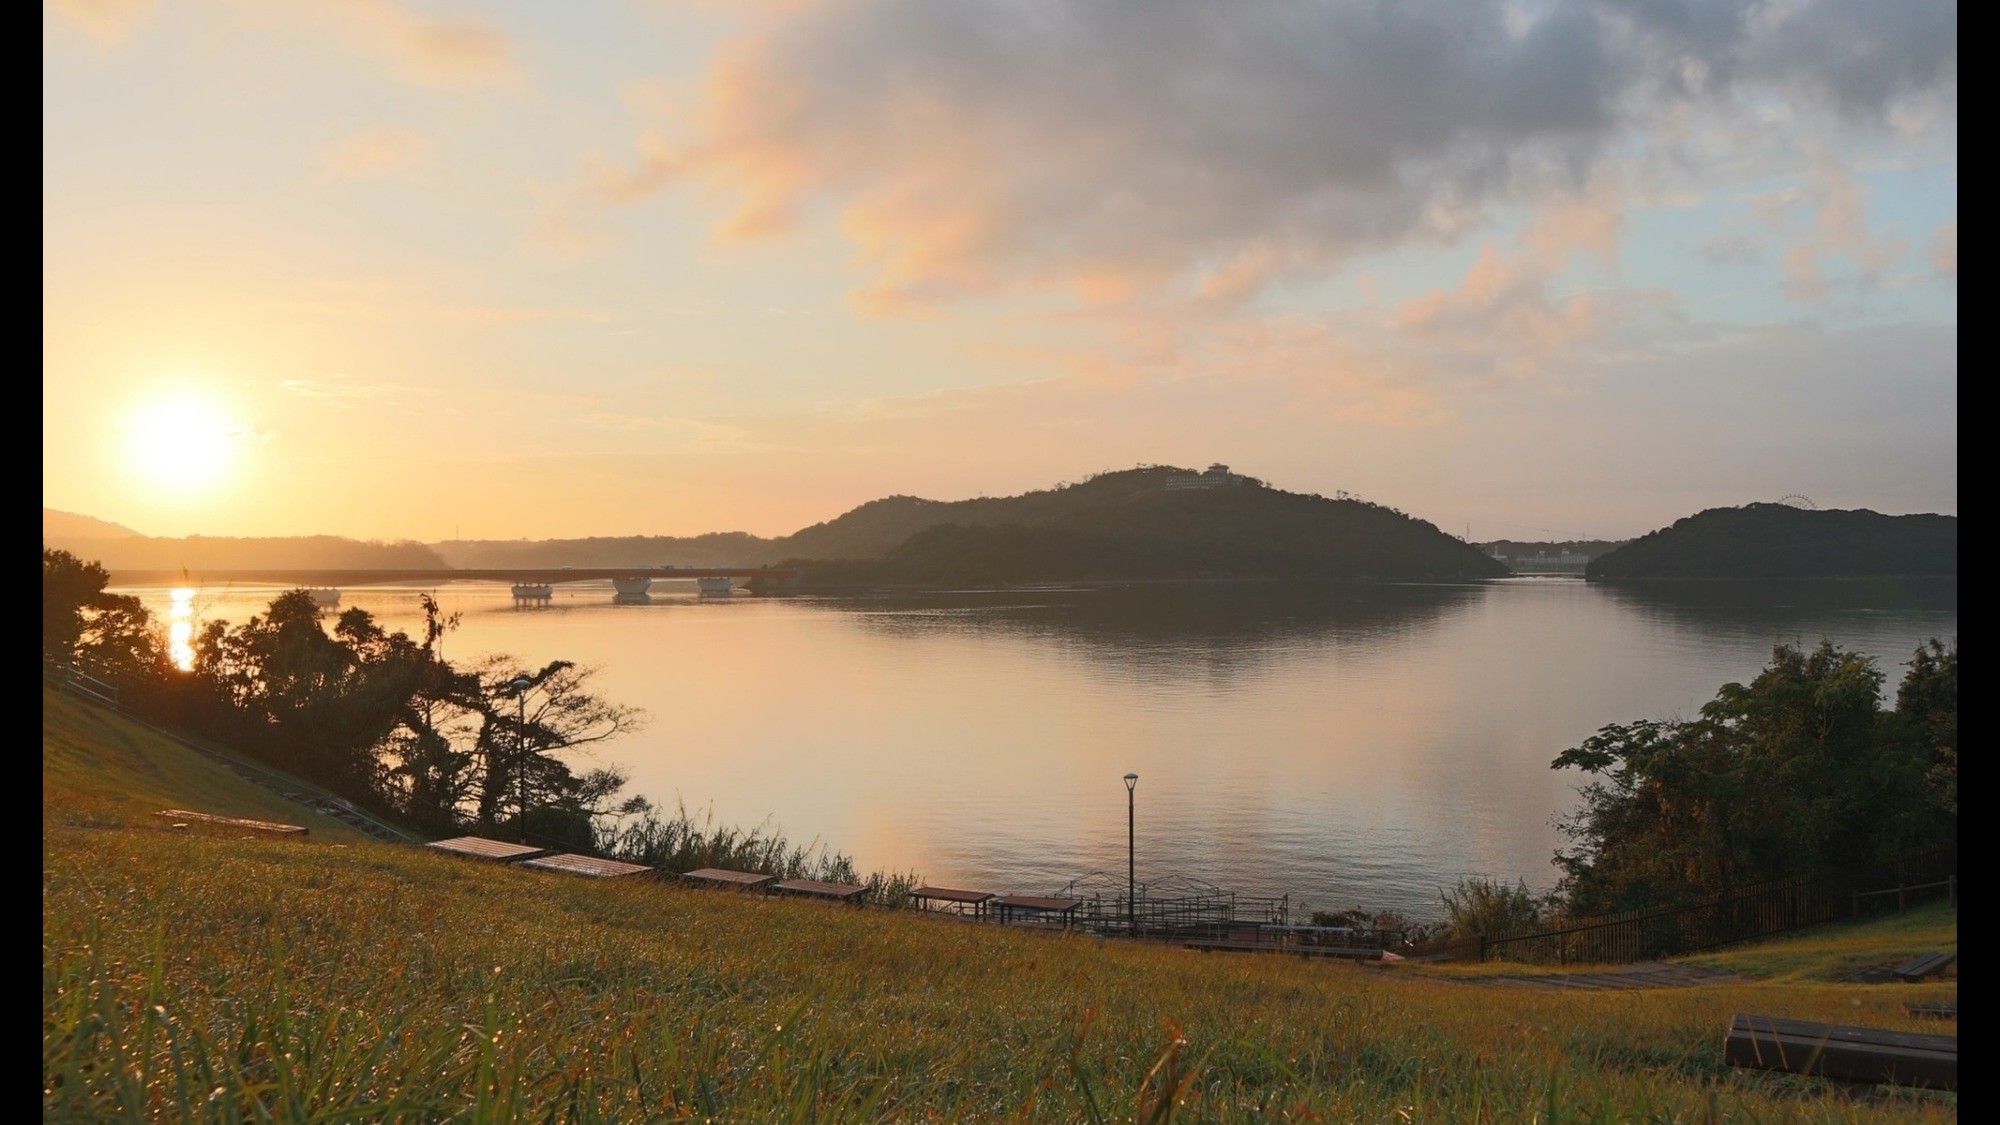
{"x":952,"y":894}
{"x":723,"y":877}
{"x":811,"y":888}
{"x":1866,"y":1054}
{"x":586,"y":865}
{"x":1928,"y":965}
{"x":1038,"y":905}
{"x":479,"y":847}
{"x":212,"y":820}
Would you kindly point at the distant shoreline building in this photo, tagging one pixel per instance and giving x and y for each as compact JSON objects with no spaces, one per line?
{"x":1217,"y":476}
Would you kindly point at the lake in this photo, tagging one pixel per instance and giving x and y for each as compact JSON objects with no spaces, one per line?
{"x":1348,"y":746}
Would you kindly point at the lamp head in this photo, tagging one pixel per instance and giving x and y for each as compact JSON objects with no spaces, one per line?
{"x":521,"y":683}
{"x":1131,"y":780}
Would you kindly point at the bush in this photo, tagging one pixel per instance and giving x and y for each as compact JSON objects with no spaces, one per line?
{"x":1489,"y":907}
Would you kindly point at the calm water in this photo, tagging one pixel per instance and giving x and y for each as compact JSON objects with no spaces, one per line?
{"x":1360,"y":746}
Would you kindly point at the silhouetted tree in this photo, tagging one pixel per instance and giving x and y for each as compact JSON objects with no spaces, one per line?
{"x":523,"y":729}
{"x":81,"y":623}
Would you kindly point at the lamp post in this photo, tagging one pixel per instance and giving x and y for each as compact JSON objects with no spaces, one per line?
{"x":1131,"y":881}
{"x":521,"y":684}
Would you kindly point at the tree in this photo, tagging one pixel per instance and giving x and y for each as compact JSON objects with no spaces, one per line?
{"x":430,"y":776}
{"x":81,"y":623}
{"x":1927,"y":706}
{"x":524,"y":728}
{"x":1797,"y":772}
{"x":318,"y":703}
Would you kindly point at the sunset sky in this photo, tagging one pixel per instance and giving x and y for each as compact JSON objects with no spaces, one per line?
{"x":1531,"y":270}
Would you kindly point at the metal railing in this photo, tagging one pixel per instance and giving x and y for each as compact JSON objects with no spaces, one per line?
{"x":1757,"y":911}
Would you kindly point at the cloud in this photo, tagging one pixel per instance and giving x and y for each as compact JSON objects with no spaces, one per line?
{"x":1732,"y":250}
{"x":1120,"y":148}
{"x":407,"y":301}
{"x":1804,"y":282}
{"x":108,"y":23}
{"x":1944,"y":249}
{"x":376,"y":153}
{"x":1840,"y":228}
{"x":424,"y":51}
{"x":338,"y":390}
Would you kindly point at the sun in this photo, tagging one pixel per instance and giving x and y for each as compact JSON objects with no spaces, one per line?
{"x":181,"y":445}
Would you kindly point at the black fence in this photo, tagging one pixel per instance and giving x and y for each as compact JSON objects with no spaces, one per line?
{"x":1753,"y":912}
{"x":76,"y":681}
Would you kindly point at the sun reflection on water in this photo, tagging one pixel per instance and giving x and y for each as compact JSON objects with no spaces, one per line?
{"x":180,"y":629}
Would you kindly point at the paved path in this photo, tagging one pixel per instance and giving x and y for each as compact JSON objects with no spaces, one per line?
{"x":1649,"y":974}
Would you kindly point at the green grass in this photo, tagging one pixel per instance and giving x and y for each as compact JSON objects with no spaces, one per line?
{"x":101,"y":771}
{"x":215,"y":979}
{"x":1835,"y":953}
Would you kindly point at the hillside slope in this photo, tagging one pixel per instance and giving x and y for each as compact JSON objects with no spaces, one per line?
{"x":1779,"y":541}
{"x":1133,"y":524}
{"x":101,"y":770}
{"x":59,"y":527}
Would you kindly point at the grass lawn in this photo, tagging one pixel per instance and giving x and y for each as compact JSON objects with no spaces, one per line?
{"x":199,"y":977}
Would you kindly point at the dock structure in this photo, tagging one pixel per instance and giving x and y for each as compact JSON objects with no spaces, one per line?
{"x":723,"y":877}
{"x":952,"y":900}
{"x":478,"y":847}
{"x":592,"y":866}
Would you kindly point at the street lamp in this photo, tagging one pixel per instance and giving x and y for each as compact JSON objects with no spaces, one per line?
{"x":521,"y":684}
{"x":1131,"y":917}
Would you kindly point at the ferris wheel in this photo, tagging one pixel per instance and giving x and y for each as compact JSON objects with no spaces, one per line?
{"x":1796,"y":500}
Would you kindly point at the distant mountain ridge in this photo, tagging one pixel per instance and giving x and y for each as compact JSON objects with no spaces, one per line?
{"x":70,"y":525}
{"x":197,"y":553}
{"x":1149,"y":522}
{"x":1780,"y":541}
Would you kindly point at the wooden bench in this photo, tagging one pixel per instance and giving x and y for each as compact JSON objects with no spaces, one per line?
{"x":1862,"y":1054}
{"x":923,"y":897}
{"x":1929,"y":965}
{"x":478,"y":847}
{"x":1015,"y":906}
{"x":830,"y":892}
{"x":182,"y":818}
{"x":589,"y":865}
{"x":723,"y":877}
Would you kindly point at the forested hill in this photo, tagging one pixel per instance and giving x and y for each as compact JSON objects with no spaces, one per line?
{"x":198,"y":553}
{"x":1131,"y":524}
{"x":1780,"y":541}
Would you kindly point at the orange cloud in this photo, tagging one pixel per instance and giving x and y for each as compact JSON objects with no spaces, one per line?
{"x":375,"y":153}
{"x":425,"y":51}
{"x":107,"y":22}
